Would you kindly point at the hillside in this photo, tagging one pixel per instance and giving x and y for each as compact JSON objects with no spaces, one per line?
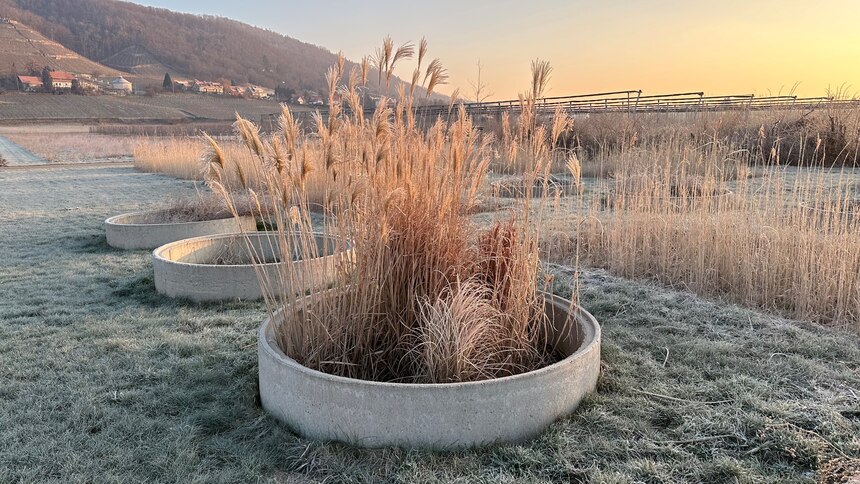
{"x":139,"y":61}
{"x":22,"y":47}
{"x":204,"y":47}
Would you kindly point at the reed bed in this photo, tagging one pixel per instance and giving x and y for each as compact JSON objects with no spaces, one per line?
{"x":70,"y":147}
{"x":829,"y":135}
{"x":427,"y":296}
{"x":786,"y":240}
{"x":189,"y":159}
{"x":177,"y":157}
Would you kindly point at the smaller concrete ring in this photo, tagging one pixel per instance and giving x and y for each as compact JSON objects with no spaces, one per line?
{"x":127,"y":231}
{"x":221,"y":267}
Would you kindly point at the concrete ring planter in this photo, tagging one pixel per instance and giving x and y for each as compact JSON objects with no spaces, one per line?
{"x":325,"y":407}
{"x":127,"y":231}
{"x":191,"y":269}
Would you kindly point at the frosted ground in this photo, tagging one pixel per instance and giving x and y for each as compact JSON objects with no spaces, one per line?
{"x":104,"y":380}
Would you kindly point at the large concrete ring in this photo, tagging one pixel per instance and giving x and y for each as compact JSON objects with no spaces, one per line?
{"x":325,"y":407}
{"x":191,"y":268}
{"x":127,"y":231}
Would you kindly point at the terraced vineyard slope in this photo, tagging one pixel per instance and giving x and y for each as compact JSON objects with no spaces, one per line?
{"x":20,"y":45}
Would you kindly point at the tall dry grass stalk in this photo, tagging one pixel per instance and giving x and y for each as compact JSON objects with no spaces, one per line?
{"x":426,"y":296}
{"x":786,"y":240}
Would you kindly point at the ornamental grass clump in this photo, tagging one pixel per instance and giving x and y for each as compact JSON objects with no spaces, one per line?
{"x":424,"y":295}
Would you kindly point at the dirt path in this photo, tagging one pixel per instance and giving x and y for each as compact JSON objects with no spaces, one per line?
{"x":95,"y":164}
{"x":16,"y":155}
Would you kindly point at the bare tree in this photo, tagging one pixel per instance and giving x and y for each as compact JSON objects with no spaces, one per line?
{"x":479,"y":88}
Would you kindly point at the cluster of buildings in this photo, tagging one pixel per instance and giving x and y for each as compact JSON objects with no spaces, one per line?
{"x":54,"y":81}
{"x":313,"y":98}
{"x":62,"y":81}
{"x":217,"y":88}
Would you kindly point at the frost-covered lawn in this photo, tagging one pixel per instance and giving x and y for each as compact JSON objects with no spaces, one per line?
{"x":101,"y":379}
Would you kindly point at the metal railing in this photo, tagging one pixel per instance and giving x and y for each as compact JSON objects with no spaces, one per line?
{"x":631,"y":102}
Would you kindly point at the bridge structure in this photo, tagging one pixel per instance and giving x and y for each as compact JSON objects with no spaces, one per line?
{"x":629,"y":102}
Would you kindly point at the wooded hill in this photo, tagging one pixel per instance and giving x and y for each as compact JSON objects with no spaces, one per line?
{"x":195,"y":46}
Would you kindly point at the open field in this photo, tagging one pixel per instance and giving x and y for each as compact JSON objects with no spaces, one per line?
{"x":75,"y":147}
{"x":14,"y":154}
{"x":163,"y":107}
{"x":107,"y":380}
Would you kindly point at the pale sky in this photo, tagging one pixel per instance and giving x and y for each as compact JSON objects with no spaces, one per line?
{"x":659,"y":46}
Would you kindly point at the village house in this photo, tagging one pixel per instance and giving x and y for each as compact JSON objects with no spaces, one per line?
{"x":234,"y":91}
{"x":260,"y":92}
{"x":204,"y":87}
{"x":61,"y":79}
{"x":120,"y":84}
{"x":297,"y":99}
{"x":182,"y":86}
{"x":30,"y":83}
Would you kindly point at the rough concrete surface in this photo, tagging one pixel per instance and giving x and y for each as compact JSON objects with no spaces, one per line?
{"x":191,"y":269}
{"x":432,"y":416}
{"x":127,"y":232}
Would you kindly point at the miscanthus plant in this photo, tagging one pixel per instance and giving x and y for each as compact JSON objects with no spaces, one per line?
{"x":424,"y":295}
